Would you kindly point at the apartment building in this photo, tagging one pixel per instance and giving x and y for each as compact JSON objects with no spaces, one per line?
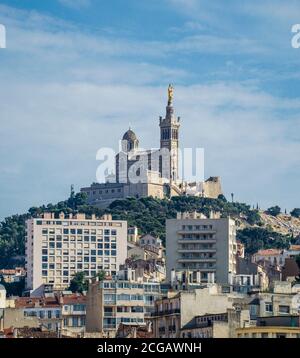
{"x":57,"y":248}
{"x":73,"y":311}
{"x":272,"y":327}
{"x":207,"y":247}
{"x":284,"y":300}
{"x":175,"y":313}
{"x":122,"y":300}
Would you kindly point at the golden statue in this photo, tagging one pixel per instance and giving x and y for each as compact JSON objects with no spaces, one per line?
{"x":170,"y":94}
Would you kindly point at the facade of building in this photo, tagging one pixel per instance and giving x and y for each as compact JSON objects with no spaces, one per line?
{"x":273,"y":256}
{"x":272,"y":327}
{"x":202,"y":246}
{"x":57,"y":248}
{"x":13,"y":275}
{"x":133,"y":234}
{"x":175,"y":312}
{"x":206,"y":326}
{"x":73,"y":311}
{"x":156,"y":172}
{"x":123,"y":300}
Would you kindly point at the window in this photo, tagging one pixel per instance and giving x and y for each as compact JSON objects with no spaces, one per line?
{"x":269,"y":307}
{"x":284,"y":309}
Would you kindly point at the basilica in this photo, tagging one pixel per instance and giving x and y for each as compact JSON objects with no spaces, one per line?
{"x":142,"y":173}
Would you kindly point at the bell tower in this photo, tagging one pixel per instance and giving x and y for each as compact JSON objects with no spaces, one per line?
{"x":169,"y":134}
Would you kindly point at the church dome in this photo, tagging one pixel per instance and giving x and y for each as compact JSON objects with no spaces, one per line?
{"x":130,"y":136}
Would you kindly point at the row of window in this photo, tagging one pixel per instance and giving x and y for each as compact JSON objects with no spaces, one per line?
{"x":79,"y":266}
{"x":43,"y":314}
{"x":79,"y":239}
{"x":80,"y":258}
{"x":74,"y":322}
{"x":108,"y":232}
{"x":146,"y":287}
{"x":106,"y":191}
{"x":89,"y":251}
{"x":75,"y":308}
{"x":197,"y":227}
{"x":78,"y":223}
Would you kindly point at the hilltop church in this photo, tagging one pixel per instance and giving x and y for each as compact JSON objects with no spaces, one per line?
{"x":142,"y":173}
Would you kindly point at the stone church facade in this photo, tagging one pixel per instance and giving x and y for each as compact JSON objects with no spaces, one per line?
{"x":142,"y":173}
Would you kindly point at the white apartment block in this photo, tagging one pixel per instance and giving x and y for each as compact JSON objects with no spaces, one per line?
{"x":57,"y":248}
{"x":205,"y":247}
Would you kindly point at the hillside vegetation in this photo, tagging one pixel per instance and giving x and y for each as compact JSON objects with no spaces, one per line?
{"x":149,"y":215}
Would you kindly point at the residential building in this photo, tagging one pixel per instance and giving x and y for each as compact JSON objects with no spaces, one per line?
{"x":174,"y":312}
{"x":13,"y":275}
{"x":133,"y":234}
{"x":119,"y":300}
{"x":73,"y":312}
{"x":43,"y":311}
{"x":145,"y":270}
{"x":273,"y":256}
{"x":149,"y":240}
{"x":204,"y":326}
{"x":201,"y":245}
{"x":249,"y":276}
{"x":272,"y":327}
{"x":57,"y":248}
{"x":282,"y":300}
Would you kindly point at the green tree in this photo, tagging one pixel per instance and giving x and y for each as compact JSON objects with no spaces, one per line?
{"x":101,"y":275}
{"x":296,"y":212}
{"x":274,"y":210}
{"x":79,"y":283}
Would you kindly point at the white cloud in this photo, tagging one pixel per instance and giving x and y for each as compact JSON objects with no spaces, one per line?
{"x":65,"y":93}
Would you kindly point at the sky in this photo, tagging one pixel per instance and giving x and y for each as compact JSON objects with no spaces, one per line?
{"x":76,"y":73}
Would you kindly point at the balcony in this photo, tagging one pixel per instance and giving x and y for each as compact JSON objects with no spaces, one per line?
{"x":195,"y":239}
{"x":165,"y":312}
{"x":196,"y":259}
{"x":212,"y":250}
{"x":199,"y":231}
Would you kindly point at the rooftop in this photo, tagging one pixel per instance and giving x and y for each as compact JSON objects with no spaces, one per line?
{"x":269,"y":252}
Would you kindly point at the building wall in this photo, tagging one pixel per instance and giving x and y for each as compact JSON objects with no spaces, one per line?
{"x":14,"y":317}
{"x":212,"y":187}
{"x":110,"y":303}
{"x":94,"y":308}
{"x":268,"y":332}
{"x":2,"y":297}
{"x":58,"y":248}
{"x":223,"y":246}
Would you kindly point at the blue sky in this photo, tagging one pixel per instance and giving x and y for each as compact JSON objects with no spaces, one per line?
{"x":76,"y":73}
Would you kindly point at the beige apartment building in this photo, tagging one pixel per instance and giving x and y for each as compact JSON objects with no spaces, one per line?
{"x":57,"y":248}
{"x":175,"y":314}
{"x":120,"y":301}
{"x":204,"y":246}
